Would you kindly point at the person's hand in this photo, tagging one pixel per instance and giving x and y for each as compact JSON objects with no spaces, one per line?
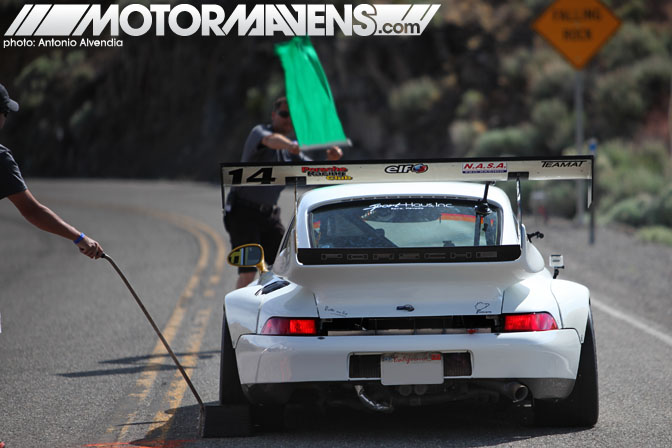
{"x":90,"y":247}
{"x":294,"y":148}
{"x":334,"y":153}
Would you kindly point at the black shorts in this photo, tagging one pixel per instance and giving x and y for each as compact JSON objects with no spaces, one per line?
{"x":250,"y":225}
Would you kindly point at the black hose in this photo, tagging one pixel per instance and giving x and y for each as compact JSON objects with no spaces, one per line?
{"x":158,"y":332}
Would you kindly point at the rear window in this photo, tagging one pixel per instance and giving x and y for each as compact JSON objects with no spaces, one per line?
{"x":413,"y":222}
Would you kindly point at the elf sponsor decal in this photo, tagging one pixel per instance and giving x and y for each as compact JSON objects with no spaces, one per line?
{"x":483,"y":167}
{"x":406,"y":168}
{"x":562,"y":163}
{"x":330,"y":173}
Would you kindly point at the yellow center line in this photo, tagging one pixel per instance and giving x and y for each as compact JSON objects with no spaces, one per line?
{"x":178,"y":386}
{"x":148,"y":376}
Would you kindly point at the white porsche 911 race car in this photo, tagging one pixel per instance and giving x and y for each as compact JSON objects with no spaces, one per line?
{"x":399,"y":288}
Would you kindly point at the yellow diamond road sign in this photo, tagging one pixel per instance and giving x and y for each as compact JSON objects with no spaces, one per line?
{"x":577,"y":28}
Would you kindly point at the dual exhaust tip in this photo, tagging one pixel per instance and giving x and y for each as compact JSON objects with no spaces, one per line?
{"x":513,"y":390}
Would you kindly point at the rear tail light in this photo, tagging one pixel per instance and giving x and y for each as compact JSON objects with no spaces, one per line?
{"x":529,"y":322}
{"x":284,"y":326}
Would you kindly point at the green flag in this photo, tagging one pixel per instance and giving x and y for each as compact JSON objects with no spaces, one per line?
{"x":309,"y":97}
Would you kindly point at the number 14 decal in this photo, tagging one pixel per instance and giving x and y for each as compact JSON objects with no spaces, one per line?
{"x":262,"y":176}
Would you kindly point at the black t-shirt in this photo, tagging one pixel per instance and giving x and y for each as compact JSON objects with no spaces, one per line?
{"x":11,"y":181}
{"x":255,"y":152}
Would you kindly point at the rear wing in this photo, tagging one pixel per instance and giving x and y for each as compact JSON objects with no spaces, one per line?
{"x":488,"y":170}
{"x":435,"y":170}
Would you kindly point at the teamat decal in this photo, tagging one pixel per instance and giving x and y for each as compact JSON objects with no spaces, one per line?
{"x":330,"y":173}
{"x":562,"y":163}
{"x":407,"y":168}
{"x":484,"y":167}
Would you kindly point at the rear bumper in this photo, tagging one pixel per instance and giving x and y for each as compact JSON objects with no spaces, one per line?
{"x":552,"y":355}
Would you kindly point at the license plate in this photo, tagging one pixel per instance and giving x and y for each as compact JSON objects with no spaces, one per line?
{"x":411,"y":368}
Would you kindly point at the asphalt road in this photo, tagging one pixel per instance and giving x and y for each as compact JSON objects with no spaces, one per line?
{"x":81,"y":367}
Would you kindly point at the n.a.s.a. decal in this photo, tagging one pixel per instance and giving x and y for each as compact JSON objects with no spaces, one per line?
{"x":483,"y":167}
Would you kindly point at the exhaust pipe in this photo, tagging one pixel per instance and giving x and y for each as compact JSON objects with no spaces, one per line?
{"x":513,"y":390}
{"x":369,"y":403}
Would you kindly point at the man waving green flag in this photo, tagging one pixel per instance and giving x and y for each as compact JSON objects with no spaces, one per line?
{"x":311,"y":104}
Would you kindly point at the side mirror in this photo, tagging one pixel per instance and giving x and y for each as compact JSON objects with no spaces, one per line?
{"x":556,"y":262}
{"x":248,"y":255}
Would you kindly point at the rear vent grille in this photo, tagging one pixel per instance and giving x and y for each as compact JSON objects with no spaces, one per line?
{"x":365,"y":366}
{"x":411,"y":325}
{"x":368,"y":366}
{"x":456,"y":364}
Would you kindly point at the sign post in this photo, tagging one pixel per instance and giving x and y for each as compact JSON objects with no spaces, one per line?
{"x":577,"y":29}
{"x":592,"y":146}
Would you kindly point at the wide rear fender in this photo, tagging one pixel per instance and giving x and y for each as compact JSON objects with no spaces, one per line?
{"x":241,"y":308}
{"x":247,"y":309}
{"x":574,"y":303}
{"x":532,"y":295}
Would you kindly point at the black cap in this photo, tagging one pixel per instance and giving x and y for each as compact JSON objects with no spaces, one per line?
{"x":6,"y":103}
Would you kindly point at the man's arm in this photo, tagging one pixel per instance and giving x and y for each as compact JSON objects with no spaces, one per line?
{"x":43,"y":218}
{"x":280,"y":142}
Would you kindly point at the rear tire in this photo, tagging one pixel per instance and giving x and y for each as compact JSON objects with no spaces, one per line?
{"x":233,"y":417}
{"x":230,"y":391}
{"x":581,"y":407}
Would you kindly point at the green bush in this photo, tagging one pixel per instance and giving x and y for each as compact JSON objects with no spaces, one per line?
{"x":621,"y":99}
{"x":52,"y":75}
{"x":624,"y":171}
{"x":517,"y":141}
{"x":653,"y":156}
{"x":632,"y":211}
{"x":554,"y":123}
{"x":553,"y":78}
{"x":471,"y":104}
{"x":652,"y":76}
{"x":618,"y":105}
{"x":632,"y":10}
{"x":463,"y":135}
{"x":656,"y":234}
{"x":561,"y":199}
{"x":416,"y":95}
{"x":633,"y":183}
{"x":631,"y":43}
{"x":513,"y":67}
{"x":660,"y":211}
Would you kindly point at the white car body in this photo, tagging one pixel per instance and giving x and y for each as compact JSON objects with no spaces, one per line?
{"x":272,"y":368}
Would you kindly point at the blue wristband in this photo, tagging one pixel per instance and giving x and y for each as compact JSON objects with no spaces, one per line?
{"x":79,"y":238}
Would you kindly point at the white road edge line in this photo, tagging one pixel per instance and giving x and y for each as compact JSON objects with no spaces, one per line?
{"x":636,"y":322}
